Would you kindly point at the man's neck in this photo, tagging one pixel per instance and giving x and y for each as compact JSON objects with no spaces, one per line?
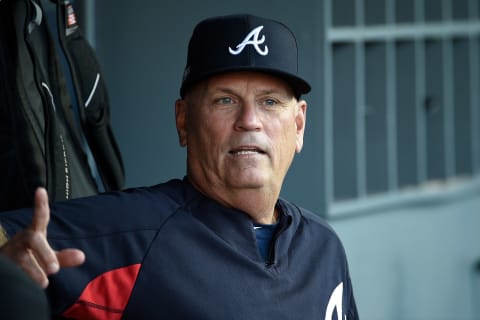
{"x":260,"y":206}
{"x":258,"y":203}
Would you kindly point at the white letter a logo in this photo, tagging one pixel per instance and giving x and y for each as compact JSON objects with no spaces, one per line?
{"x":335,"y":302}
{"x":253,"y":39}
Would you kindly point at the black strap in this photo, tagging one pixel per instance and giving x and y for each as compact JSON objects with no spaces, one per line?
{"x":92,"y":97}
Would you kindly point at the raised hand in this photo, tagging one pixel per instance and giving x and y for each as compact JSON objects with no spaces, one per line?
{"x":31,"y":250}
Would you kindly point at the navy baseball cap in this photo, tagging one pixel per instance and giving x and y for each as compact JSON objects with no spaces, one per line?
{"x":242,"y":42}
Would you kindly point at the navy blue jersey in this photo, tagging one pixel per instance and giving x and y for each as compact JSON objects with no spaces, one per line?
{"x":169,"y":252}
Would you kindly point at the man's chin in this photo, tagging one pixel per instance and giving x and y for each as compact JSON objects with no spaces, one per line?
{"x":248,"y":181}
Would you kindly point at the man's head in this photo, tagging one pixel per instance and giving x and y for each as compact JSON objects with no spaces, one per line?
{"x":242,"y":125}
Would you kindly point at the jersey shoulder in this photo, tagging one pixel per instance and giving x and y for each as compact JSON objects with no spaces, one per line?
{"x":311,"y":221}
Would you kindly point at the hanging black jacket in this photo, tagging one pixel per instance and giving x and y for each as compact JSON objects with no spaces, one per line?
{"x":40,"y":143}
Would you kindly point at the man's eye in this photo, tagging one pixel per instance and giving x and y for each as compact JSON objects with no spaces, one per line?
{"x":270,"y":102}
{"x":225,"y":100}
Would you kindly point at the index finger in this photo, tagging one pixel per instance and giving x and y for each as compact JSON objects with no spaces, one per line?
{"x":41,"y":211}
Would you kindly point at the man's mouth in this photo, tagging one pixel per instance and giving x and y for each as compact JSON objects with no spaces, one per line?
{"x":244,"y":151}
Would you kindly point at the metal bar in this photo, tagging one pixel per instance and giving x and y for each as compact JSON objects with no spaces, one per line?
{"x":420,"y":78}
{"x":420,"y":118}
{"x":391,"y":78}
{"x":390,"y":12}
{"x":360,"y":13}
{"x":90,"y":22}
{"x":474,"y":56}
{"x":360,"y":104}
{"x":328,"y":109}
{"x":419,"y":11}
{"x":422,"y":30}
{"x":474,"y":103}
{"x":446,"y":10}
{"x":360,"y":119}
{"x":391,"y":74}
{"x":448,"y":110}
{"x":448,"y":97}
{"x":427,"y":195}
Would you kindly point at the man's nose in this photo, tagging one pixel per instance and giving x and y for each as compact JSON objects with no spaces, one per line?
{"x":248,"y":118}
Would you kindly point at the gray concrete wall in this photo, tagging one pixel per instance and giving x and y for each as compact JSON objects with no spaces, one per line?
{"x":416,"y":263}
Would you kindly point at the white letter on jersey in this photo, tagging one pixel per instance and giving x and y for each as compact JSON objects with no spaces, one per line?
{"x":254,"y":34}
{"x":335,"y":302}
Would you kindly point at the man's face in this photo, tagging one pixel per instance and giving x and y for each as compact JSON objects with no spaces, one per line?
{"x":241,"y":130}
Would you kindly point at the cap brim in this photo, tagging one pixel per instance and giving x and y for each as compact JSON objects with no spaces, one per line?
{"x":298,"y":85}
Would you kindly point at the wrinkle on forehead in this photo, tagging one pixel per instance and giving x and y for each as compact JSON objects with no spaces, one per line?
{"x":240,"y":82}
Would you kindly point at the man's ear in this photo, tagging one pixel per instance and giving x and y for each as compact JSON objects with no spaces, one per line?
{"x":181,"y":121}
{"x":300,"y":120}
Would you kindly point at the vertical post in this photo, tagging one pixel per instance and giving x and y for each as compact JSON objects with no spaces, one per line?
{"x":391,"y":76}
{"x":448,"y":110}
{"x":360,"y":106}
{"x":328,"y":108}
{"x":474,"y":90}
{"x":90,"y":21}
{"x":420,"y":96}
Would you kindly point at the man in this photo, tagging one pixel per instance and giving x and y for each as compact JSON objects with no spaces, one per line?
{"x":219,"y":244}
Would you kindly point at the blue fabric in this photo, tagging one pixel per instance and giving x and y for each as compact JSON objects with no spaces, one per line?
{"x":264,"y":233}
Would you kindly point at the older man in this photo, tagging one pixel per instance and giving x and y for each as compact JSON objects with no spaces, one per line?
{"x":220,"y":243}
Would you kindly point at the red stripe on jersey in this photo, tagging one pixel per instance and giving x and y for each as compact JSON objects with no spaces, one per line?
{"x":106,"y":296}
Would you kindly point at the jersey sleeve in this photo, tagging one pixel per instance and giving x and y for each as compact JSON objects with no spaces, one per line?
{"x":114,"y":231}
